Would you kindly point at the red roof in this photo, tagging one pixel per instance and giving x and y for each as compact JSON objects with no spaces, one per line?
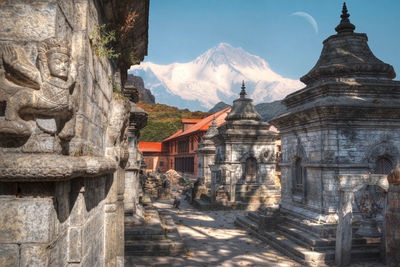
{"x":191,"y":121}
{"x":202,"y":125}
{"x":149,"y":147}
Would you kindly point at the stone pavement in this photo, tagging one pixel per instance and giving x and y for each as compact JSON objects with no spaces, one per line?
{"x":212,"y":240}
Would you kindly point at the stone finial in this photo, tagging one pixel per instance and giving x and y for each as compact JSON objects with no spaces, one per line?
{"x":243,"y":108}
{"x":243,"y":93}
{"x":345,"y":25}
{"x":212,"y":130}
{"x":214,"y":122}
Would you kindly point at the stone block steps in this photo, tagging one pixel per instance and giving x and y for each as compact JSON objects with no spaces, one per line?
{"x":166,"y":247}
{"x":156,"y":236}
{"x":325,"y":230}
{"x":308,"y":243}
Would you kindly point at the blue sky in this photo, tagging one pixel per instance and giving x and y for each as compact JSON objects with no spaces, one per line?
{"x":180,"y":30}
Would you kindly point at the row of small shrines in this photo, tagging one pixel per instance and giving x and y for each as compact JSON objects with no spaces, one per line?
{"x":339,"y":139}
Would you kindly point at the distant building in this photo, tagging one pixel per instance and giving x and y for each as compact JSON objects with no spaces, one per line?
{"x":151,"y":155}
{"x":178,"y":151}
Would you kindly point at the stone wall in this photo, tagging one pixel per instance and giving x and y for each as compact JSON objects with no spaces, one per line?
{"x":64,"y":130}
{"x":329,"y":152}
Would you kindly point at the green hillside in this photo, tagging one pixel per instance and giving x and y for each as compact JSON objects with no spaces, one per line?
{"x":164,"y":121}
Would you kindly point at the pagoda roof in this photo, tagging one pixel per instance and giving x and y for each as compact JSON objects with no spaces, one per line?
{"x":347,"y":54}
{"x":243,"y":108}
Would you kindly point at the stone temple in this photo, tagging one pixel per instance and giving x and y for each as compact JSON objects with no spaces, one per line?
{"x":340,"y":135}
{"x":346,"y":120}
{"x":243,"y":173}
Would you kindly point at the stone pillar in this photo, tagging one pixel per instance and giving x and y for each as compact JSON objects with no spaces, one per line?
{"x":213,"y":189}
{"x":137,"y":120}
{"x":344,"y":229}
{"x":232,"y":187}
{"x":392,"y":219}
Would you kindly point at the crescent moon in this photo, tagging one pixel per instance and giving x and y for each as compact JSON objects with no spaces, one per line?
{"x":309,"y":18}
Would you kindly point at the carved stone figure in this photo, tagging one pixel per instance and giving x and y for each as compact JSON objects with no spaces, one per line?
{"x":31,"y":93}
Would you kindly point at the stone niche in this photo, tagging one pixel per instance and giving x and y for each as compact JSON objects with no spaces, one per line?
{"x":244,"y":171}
{"x":64,"y":126}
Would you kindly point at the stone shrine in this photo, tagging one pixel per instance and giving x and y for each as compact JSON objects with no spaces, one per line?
{"x":345,"y":121}
{"x":64,"y":127}
{"x":340,"y":137}
{"x":243,"y":173}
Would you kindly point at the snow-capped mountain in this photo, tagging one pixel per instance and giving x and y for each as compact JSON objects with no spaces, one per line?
{"x":214,"y":76}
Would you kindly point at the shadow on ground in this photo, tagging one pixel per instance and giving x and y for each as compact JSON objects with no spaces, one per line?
{"x":212,"y":239}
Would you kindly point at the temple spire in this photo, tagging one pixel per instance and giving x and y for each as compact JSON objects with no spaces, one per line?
{"x":243,"y":93}
{"x":345,"y":25}
{"x":214,"y":122}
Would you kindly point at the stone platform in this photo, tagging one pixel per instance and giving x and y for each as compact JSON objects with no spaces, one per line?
{"x":308,"y":242}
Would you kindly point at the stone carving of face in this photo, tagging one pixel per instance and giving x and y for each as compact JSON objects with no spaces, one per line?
{"x":58,"y":65}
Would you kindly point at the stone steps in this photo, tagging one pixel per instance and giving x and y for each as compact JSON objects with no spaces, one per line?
{"x":253,"y":215}
{"x":307,"y":240}
{"x":283,"y":245}
{"x":304,"y":247}
{"x":318,"y":230}
{"x":157,"y":236}
{"x":135,"y":234}
{"x":154,"y":248}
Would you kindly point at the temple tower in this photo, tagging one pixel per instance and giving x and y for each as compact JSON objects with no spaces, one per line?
{"x":346,"y":120}
{"x":243,"y":174}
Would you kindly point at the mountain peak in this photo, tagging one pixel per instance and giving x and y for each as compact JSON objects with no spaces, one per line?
{"x":214,"y":76}
{"x":225,"y":53}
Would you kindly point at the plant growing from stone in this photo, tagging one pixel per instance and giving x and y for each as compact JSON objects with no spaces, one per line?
{"x":101,"y":40}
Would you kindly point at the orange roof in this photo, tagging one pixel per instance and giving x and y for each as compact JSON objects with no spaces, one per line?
{"x":149,"y":147}
{"x":191,"y":121}
{"x":203,"y":124}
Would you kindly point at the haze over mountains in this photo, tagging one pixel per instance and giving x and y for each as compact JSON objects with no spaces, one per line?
{"x":214,"y":76}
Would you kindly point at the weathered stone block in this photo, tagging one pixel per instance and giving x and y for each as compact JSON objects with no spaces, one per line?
{"x":92,"y":229}
{"x":59,"y":251}
{"x":78,"y":212}
{"x":26,"y":220}
{"x":33,"y":255}
{"x":9,"y":255}
{"x":35,"y":21}
{"x":74,"y":244}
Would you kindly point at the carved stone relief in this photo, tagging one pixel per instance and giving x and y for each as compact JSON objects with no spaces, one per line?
{"x":37,"y":99}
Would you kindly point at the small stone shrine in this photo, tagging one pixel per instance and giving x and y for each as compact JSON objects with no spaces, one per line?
{"x":243,"y":174}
